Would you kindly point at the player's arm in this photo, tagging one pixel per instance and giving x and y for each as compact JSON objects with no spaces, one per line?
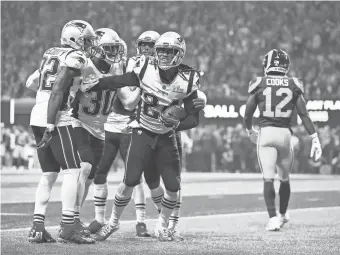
{"x":129,"y":99}
{"x":304,"y":115}
{"x":32,"y":82}
{"x":62,"y":83}
{"x":192,"y":119}
{"x":249,"y":111}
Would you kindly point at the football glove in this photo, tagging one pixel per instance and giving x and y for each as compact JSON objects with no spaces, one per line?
{"x":316,"y":150}
{"x":253,"y":135}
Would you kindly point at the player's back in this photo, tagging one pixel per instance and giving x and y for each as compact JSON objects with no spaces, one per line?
{"x":276,"y":97}
{"x":52,"y":61}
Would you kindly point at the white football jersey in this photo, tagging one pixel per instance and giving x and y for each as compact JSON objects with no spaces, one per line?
{"x":156,"y":95}
{"x":95,"y":106}
{"x":53,"y":60}
{"x":119,"y":118}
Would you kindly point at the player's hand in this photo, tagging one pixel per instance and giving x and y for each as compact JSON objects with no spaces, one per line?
{"x":46,"y":139}
{"x":199,"y":103}
{"x":316,"y":150}
{"x":169,"y":122}
{"x":133,"y":124}
{"x":253,"y":135}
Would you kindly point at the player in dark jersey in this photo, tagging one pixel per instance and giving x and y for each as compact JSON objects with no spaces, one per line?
{"x":276,"y":95}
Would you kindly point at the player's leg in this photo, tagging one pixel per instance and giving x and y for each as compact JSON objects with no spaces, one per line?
{"x":138,"y":194}
{"x":267,"y":158}
{"x":140,"y":152}
{"x":174,"y":217}
{"x":168,"y":165}
{"x":111,"y":147}
{"x":82,"y":140}
{"x":65,"y":152}
{"x":285,"y":164}
{"x":50,"y":168}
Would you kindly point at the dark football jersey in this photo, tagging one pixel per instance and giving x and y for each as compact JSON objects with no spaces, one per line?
{"x":276,"y":97}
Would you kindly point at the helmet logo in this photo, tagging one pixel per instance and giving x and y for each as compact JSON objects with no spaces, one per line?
{"x":100,"y":34}
{"x":78,"y":25}
{"x":180,"y":39}
{"x":276,"y":62}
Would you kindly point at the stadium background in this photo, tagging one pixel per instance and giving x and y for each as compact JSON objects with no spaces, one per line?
{"x":226,"y":41}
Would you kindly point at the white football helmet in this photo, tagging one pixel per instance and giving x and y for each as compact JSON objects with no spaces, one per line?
{"x":110,"y":44}
{"x":170,"y":50}
{"x":148,"y":38}
{"x":80,"y":35}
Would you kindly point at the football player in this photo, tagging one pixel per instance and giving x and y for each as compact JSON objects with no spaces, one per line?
{"x":91,"y":109}
{"x":117,"y":137}
{"x":51,"y":125}
{"x":276,"y":95}
{"x":164,"y":80}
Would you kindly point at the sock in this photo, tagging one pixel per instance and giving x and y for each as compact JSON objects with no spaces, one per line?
{"x":269,"y":197}
{"x":284,"y":193}
{"x":173,"y":220}
{"x":100,"y":196}
{"x":42,"y":195}
{"x":78,"y":204}
{"x":140,"y":201}
{"x":76,"y":212}
{"x":87,"y":187}
{"x":156,"y":196}
{"x":122,"y":198}
{"x":85,"y":169}
{"x":168,"y":204}
{"x":69,"y":189}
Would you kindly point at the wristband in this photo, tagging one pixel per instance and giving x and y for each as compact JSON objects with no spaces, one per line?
{"x":50,"y":127}
{"x":315,"y":135}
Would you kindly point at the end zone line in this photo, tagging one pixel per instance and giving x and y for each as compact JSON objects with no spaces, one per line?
{"x":203,"y":217}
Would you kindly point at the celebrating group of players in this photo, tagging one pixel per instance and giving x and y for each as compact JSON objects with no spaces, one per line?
{"x":92,"y":101}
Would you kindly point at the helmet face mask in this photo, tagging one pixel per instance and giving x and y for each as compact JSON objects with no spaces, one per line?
{"x":146,"y":48}
{"x":170,"y":50}
{"x":112,"y":49}
{"x":146,"y":42}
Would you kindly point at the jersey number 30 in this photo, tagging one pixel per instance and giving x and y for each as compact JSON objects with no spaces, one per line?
{"x":278,"y":113}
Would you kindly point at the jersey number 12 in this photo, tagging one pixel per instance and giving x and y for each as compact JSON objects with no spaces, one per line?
{"x":278,"y":113}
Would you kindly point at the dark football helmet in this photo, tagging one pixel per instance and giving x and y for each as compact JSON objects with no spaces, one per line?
{"x":276,"y":61}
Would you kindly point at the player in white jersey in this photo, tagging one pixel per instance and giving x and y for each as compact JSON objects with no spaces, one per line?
{"x":164,"y":81}
{"x":276,"y":95}
{"x":51,"y":125}
{"x":91,"y":109}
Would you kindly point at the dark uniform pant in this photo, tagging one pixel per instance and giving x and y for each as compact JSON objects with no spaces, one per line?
{"x":156,"y":155}
{"x":60,"y":153}
{"x":114,"y":142}
{"x":90,"y":148}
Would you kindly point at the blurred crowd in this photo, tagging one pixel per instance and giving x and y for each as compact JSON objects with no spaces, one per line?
{"x":231,"y":150}
{"x":225,"y":40}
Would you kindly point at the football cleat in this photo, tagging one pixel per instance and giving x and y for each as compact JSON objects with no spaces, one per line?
{"x":284,"y":218}
{"x":273,"y":224}
{"x":106,"y":231}
{"x":162,"y":234}
{"x":141,"y":230}
{"x":80,"y":226}
{"x":94,"y":226}
{"x":38,"y":234}
{"x":68,"y":233}
{"x":175,"y":234}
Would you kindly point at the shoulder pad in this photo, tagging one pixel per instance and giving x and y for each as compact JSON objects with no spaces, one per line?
{"x":253,"y":84}
{"x":185,"y":68}
{"x":138,"y":66}
{"x":298,"y":84}
{"x":76,"y":60}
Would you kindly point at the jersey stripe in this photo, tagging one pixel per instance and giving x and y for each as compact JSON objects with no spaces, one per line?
{"x":298,"y":84}
{"x":142,"y":72}
{"x":191,"y":80}
{"x":254,"y":85}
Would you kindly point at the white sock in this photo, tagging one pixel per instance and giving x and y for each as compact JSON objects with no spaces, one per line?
{"x":69,"y":189}
{"x":174,"y":217}
{"x":122,"y":198}
{"x":140,"y":203}
{"x":85,"y":169}
{"x":100,"y":196}
{"x":168,"y":204}
{"x":43,"y":194}
{"x":157,"y":195}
